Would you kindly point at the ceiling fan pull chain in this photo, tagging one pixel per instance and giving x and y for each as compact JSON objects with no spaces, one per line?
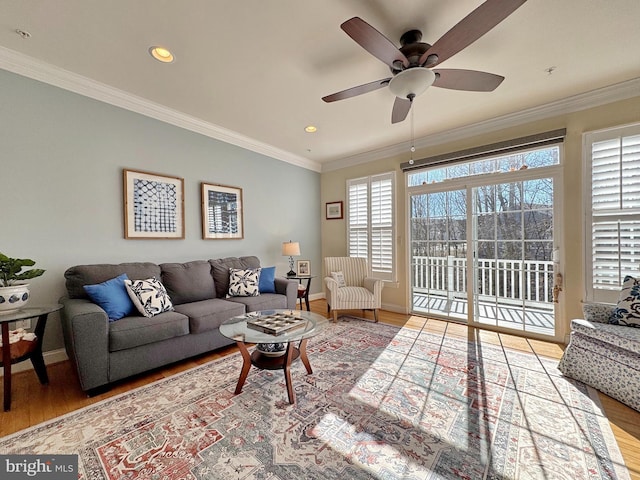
{"x":413,"y":147}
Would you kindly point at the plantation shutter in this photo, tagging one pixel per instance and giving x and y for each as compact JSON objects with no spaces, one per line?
{"x":371,"y":223}
{"x":614,"y":157}
{"x":358,"y":218}
{"x":382,"y":225}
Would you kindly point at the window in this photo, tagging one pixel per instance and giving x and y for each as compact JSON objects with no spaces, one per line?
{"x":526,"y":159}
{"x":371,"y":222}
{"x":612,"y":196}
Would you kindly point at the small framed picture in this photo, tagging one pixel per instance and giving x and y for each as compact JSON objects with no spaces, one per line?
{"x":221,"y":212}
{"x":334,"y":210}
{"x":303,"y":268}
{"x":153,"y":205}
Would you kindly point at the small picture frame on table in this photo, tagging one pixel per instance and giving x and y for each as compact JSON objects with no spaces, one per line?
{"x":334,"y":211}
{"x":303,"y":268}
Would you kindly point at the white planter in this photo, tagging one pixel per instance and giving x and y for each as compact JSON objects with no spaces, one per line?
{"x":14,"y":297}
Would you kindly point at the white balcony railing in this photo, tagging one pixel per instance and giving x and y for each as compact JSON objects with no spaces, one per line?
{"x":528,"y":282}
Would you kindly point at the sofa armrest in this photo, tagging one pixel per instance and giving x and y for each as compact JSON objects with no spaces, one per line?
{"x":331,"y":284}
{"x":86,"y":333}
{"x":597,"y":312}
{"x":374,"y":285}
{"x":289,"y":288}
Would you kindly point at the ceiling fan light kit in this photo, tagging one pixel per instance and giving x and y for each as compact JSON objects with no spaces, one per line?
{"x":411,"y":63}
{"x":412,"y":82}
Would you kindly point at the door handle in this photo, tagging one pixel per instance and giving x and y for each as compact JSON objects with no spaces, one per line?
{"x":557,"y":288}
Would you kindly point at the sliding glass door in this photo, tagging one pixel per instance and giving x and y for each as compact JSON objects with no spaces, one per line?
{"x":485,"y":247}
{"x":439,"y":252}
{"x":513,"y":245}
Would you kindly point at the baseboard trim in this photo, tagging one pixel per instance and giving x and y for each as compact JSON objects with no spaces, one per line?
{"x":395,"y":308}
{"x":50,"y":357}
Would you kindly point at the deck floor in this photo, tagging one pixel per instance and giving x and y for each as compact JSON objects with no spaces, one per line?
{"x":535,"y":320}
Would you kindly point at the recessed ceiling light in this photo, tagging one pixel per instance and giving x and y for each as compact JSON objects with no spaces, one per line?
{"x":310,"y":129}
{"x":161,"y":54}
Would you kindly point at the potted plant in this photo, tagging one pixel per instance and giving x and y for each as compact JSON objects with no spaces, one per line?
{"x":15,"y":295}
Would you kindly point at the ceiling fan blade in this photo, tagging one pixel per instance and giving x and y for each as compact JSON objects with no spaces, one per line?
{"x":469,"y":29}
{"x":401,"y":109}
{"x":469,"y":80}
{"x":373,"y":41}
{"x":359,"y":90}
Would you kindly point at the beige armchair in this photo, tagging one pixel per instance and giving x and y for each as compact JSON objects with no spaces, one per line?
{"x":359,"y":291}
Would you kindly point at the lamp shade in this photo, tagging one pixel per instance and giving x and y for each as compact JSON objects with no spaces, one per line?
{"x":290,"y":249}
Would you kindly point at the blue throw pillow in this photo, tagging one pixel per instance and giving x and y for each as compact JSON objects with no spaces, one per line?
{"x":112,"y":296}
{"x":267,"y":280}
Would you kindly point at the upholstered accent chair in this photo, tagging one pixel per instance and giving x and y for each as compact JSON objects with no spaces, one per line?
{"x":604,"y":355}
{"x":349,"y":288}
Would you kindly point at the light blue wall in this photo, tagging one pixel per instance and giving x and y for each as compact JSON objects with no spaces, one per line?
{"x":61,"y":162}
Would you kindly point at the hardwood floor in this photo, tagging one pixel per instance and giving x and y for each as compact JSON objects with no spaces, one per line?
{"x":33,"y":403}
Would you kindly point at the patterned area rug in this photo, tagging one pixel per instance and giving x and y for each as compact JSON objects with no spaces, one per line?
{"x":382,"y":403}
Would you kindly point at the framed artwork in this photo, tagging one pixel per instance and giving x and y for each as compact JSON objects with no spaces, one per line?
{"x":221,"y":212}
{"x":153,"y":205}
{"x":303,"y":268}
{"x":334,"y":210}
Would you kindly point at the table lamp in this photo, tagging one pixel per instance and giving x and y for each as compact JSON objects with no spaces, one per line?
{"x":291,"y":249}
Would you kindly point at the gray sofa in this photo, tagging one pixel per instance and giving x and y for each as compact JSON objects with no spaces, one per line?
{"x":105,"y":351}
{"x":604,"y":355}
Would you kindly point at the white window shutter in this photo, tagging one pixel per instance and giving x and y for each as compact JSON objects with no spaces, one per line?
{"x":371,"y":222}
{"x":614,"y":194}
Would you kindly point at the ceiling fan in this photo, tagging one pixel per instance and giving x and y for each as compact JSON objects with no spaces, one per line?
{"x":411,"y":64}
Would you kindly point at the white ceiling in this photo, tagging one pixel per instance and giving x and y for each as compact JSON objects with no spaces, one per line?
{"x":253,"y":71}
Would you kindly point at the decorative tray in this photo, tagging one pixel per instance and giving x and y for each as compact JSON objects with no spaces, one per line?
{"x":276,"y":324}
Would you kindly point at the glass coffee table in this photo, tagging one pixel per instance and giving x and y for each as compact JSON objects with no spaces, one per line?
{"x":274,"y":351}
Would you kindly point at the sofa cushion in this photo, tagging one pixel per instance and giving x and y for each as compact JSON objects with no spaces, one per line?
{"x":244,"y":282}
{"x":112,"y":297}
{"x":267,"y":280}
{"x":221,"y":268}
{"x":627,"y":311}
{"x":209,"y":314}
{"x":149,"y":296}
{"x":188,"y":282}
{"x":266,"y":301}
{"x":130,"y":332}
{"x":624,"y":338}
{"x":80,"y":275}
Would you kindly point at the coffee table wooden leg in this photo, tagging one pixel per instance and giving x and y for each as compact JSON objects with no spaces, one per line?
{"x":36,"y":356}
{"x":287,"y":372}
{"x":6,"y":365}
{"x":246,"y":366}
{"x":303,"y":356}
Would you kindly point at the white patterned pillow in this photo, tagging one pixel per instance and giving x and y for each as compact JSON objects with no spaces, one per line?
{"x":244,"y":283}
{"x":627,"y":311}
{"x":339,"y":277}
{"x":149,"y":296}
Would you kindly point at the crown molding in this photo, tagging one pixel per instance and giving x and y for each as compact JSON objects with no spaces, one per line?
{"x":575,"y":103}
{"x":29,"y":67}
